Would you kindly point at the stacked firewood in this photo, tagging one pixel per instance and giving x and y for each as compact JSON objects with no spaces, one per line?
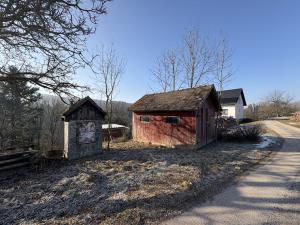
{"x":296,"y":116}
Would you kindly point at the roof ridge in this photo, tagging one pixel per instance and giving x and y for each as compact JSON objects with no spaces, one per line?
{"x":184,"y":89}
{"x":183,"y":99}
{"x":232,"y":89}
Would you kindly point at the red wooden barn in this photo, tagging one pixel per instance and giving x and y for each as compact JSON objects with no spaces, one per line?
{"x":175,"y":118}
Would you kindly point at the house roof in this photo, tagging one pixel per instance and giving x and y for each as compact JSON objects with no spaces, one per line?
{"x":232,"y":96}
{"x":182,"y":100}
{"x":79,"y":103}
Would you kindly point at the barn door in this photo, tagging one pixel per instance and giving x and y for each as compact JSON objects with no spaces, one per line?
{"x":202,"y":127}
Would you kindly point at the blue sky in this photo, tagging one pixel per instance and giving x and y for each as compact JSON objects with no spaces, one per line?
{"x":264,"y":35}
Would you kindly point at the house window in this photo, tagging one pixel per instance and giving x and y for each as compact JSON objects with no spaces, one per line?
{"x":145,"y":119}
{"x":225,"y":112}
{"x":172,"y":120}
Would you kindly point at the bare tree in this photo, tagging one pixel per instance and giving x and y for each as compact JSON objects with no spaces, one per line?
{"x":279,"y":102}
{"x":52,"y":133}
{"x":111,"y":68}
{"x":46,"y":40}
{"x":222,"y":64}
{"x":251,"y":112}
{"x":222,"y":69}
{"x":197,"y":60}
{"x":160,"y":74}
{"x":167,"y":71}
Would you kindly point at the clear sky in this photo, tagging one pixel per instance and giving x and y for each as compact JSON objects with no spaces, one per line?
{"x":264,"y":35}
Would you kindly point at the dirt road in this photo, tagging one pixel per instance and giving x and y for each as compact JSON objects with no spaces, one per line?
{"x":270,"y":194}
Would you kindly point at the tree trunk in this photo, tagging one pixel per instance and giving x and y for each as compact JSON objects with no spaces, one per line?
{"x":108,"y":104}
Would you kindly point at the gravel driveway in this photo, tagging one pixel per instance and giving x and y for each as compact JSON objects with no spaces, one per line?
{"x":269,"y":194}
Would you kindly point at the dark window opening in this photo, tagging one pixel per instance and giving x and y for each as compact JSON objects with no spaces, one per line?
{"x":172,"y":120}
{"x":145,"y":119}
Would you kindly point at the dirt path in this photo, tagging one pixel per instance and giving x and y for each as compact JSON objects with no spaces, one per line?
{"x":270,"y":194}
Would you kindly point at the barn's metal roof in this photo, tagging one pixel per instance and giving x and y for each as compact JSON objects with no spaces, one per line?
{"x":182,"y":100}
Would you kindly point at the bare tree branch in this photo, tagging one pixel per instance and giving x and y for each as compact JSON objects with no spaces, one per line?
{"x":223,"y":71}
{"x":197,"y":58}
{"x":46,"y":40}
{"x":111,"y":68}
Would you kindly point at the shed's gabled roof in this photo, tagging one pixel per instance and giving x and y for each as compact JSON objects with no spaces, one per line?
{"x":182,"y":100}
{"x":79,"y":103}
{"x":232,"y":96}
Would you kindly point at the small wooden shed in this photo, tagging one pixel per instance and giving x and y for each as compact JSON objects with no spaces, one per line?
{"x":83,"y":129}
{"x":176,"y":118}
{"x":117,"y":131}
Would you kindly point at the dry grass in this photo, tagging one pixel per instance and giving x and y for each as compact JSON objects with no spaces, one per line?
{"x":291,"y":123}
{"x":131,"y":184}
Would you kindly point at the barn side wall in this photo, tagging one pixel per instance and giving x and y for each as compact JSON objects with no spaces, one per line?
{"x":206,"y":124}
{"x":157,"y":131}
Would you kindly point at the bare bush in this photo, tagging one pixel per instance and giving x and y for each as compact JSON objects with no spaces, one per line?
{"x":243,"y":133}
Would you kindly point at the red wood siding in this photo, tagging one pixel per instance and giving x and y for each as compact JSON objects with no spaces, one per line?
{"x":157,"y":131}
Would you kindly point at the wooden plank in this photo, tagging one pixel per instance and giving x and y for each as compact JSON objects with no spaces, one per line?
{"x":13,"y":160}
{"x":13,"y":166}
{"x":17,"y":154}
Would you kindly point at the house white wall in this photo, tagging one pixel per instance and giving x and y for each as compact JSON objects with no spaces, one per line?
{"x":239,"y":108}
{"x":236,"y":111}
{"x":230,"y":109}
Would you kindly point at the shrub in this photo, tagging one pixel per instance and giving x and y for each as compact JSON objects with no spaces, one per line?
{"x":245,"y":120}
{"x":225,"y":123}
{"x":243,"y":133}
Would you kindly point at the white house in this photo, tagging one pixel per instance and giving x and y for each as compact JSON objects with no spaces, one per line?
{"x":233,"y":102}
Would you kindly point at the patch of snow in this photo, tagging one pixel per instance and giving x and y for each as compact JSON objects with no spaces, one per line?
{"x":265,"y":142}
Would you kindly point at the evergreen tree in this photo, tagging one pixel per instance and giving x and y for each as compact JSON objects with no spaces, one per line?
{"x":20,"y":115}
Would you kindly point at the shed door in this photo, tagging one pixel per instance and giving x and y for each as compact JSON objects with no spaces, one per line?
{"x":199,"y":127}
{"x":206,"y":125}
{"x":202,"y":127}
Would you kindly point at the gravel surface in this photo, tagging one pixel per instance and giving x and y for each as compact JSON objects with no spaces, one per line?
{"x":130,"y":184}
{"x":270,"y":194}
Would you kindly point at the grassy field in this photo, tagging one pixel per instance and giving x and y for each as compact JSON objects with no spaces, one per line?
{"x":130,"y":184}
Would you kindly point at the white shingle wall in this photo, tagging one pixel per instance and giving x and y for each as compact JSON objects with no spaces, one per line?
{"x":231,"y":110}
{"x":236,"y":111}
{"x":239,"y":109}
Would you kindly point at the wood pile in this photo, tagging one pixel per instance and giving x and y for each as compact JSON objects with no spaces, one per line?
{"x":296,"y":116}
{"x":16,"y":159}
